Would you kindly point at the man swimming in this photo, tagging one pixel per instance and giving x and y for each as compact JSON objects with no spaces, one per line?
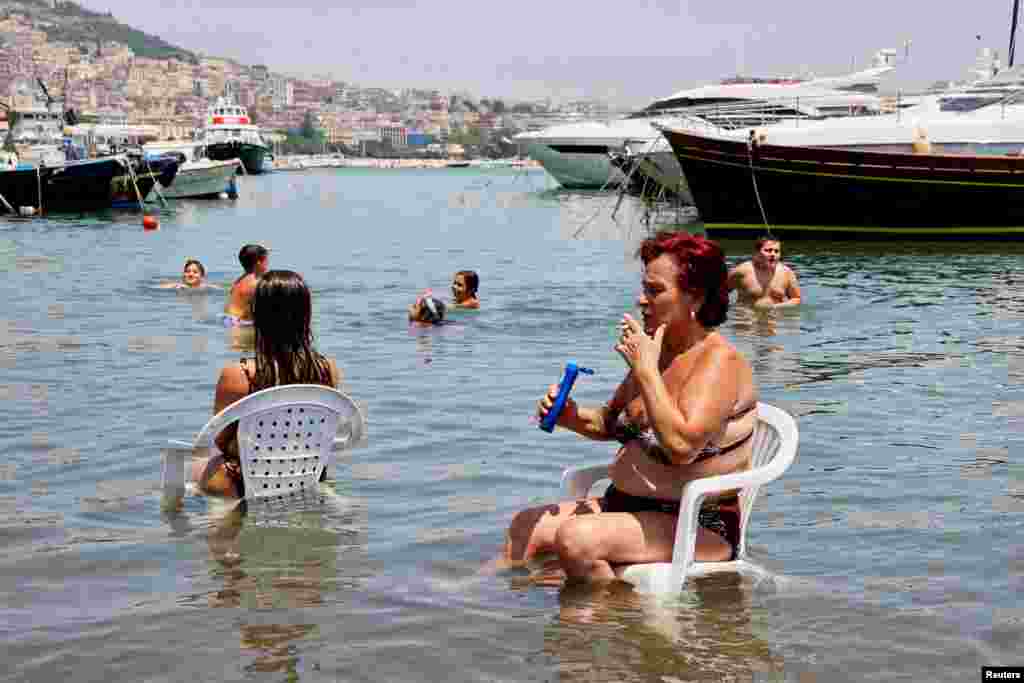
{"x":238,"y":311}
{"x":764,"y":281}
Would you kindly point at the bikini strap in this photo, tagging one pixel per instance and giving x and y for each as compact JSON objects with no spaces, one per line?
{"x":712,"y":451}
{"x":744,"y":411}
{"x":244,"y":363}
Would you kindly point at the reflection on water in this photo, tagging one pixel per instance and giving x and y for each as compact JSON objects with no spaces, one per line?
{"x":276,"y":558}
{"x":711,"y":632}
{"x":1005,"y":297}
{"x":199,"y":301}
{"x":748,"y":321}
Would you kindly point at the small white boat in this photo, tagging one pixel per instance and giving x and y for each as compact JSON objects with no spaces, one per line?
{"x":197,"y":176}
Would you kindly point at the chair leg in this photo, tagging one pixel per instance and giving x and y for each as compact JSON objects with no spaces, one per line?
{"x":173,"y":475}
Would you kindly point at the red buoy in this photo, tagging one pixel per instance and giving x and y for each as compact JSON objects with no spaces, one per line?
{"x":150,"y":223}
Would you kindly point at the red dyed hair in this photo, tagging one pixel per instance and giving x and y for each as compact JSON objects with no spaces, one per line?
{"x":702,"y":270}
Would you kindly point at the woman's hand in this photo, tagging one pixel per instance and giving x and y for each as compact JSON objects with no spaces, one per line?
{"x":641,"y":352}
{"x":544,"y":405}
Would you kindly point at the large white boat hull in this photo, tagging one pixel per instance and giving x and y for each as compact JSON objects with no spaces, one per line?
{"x":202,"y":179}
{"x":576,"y":155}
{"x":576,"y":170}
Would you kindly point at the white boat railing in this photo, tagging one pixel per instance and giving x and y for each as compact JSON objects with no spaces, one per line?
{"x":723,"y":118}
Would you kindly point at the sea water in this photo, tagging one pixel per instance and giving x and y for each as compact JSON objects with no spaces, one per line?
{"x":895,"y":539}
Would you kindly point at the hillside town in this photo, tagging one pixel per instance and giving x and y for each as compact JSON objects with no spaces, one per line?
{"x":108,"y":81}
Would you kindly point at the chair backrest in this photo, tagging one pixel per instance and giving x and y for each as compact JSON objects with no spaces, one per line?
{"x":774,"y":430}
{"x":286,"y":435}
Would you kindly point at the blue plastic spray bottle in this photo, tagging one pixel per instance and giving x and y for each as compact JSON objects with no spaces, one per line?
{"x":568,"y":379}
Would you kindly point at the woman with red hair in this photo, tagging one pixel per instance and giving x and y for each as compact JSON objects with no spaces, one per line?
{"x":685,"y":410}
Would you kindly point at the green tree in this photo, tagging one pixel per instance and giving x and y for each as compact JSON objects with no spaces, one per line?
{"x":12,"y":121}
{"x":309,"y":129}
{"x":466,"y":136}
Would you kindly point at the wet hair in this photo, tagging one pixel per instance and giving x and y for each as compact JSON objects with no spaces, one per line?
{"x":702,"y":270}
{"x":197,"y":264}
{"x":764,"y":239}
{"x":282,"y":311}
{"x":431,"y":310}
{"x":472,"y":280}
{"x":250,"y":255}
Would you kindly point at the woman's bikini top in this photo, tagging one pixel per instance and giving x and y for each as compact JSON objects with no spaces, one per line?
{"x":625,"y":431}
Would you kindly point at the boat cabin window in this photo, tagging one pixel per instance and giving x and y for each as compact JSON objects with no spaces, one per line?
{"x":965,"y":103}
{"x":685,"y":102}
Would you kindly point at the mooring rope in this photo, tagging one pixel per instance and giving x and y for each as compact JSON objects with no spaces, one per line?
{"x":751,"y":141}
{"x":623,"y":186}
{"x":156,"y":182}
{"x":131,"y":175}
{"x":39,"y":187}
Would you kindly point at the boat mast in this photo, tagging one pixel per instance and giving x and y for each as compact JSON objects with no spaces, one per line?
{"x":1013,"y":29}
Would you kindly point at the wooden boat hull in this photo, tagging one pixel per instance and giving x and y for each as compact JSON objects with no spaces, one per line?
{"x":829,"y":193}
{"x":76,"y":186}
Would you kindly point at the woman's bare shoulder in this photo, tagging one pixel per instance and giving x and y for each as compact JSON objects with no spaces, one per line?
{"x":719,"y":358}
{"x":233,"y":375}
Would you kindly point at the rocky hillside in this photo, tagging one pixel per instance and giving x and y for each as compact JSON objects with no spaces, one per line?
{"x":69,"y":22}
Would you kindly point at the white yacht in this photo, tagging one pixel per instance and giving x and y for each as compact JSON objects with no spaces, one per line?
{"x":38,"y":134}
{"x":982,"y":116}
{"x":577,"y":155}
{"x":230,"y":134}
{"x":992,"y":84}
{"x":996,"y":128}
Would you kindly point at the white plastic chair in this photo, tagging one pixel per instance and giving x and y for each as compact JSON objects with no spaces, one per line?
{"x":287,"y":436}
{"x":774,"y":450}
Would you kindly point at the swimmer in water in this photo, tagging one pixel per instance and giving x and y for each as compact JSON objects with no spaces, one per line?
{"x":427,"y":310}
{"x":764,"y":282}
{"x":465,"y":284}
{"x":238,"y":311}
{"x":193,"y":276}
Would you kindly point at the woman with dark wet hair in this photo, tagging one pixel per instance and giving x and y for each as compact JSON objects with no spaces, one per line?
{"x":465,"y":284}
{"x":282,"y":313}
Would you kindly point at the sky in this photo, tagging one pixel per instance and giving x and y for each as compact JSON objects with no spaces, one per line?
{"x":627,"y":53}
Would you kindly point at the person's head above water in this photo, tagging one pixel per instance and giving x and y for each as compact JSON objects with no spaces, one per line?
{"x":465,"y":284}
{"x":282,"y":313}
{"x":767,"y":252}
{"x":682,"y":271}
{"x":427,"y":309}
{"x":253,"y":258}
{"x":193,"y":273}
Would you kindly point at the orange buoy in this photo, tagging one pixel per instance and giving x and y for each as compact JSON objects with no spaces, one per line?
{"x":150,"y":223}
